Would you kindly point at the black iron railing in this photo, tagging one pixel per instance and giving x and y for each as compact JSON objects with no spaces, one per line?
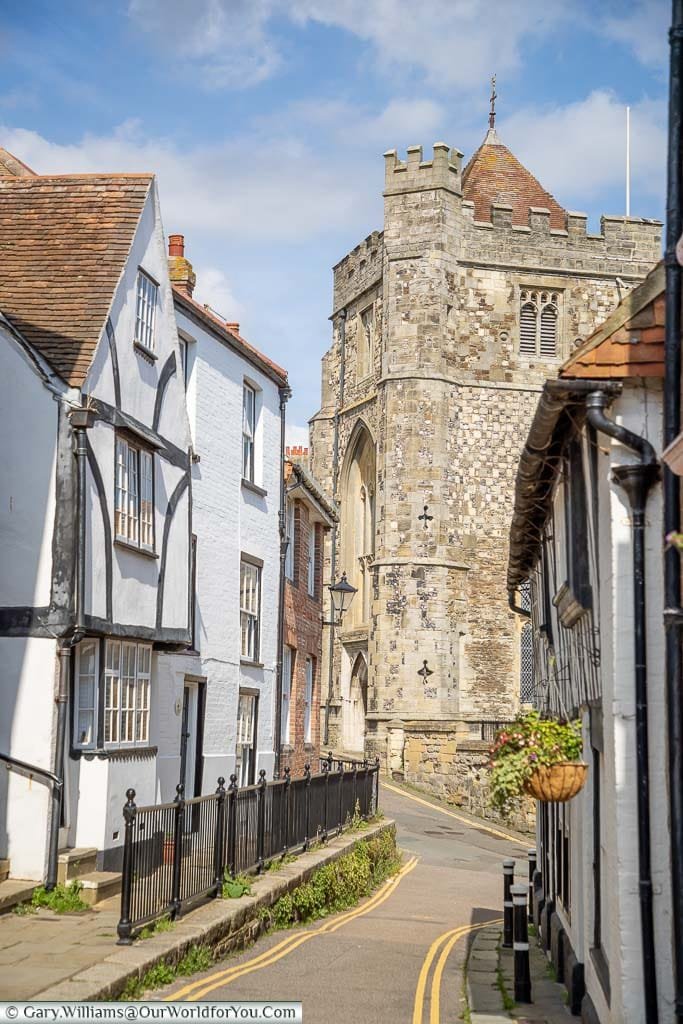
{"x":177,"y":853}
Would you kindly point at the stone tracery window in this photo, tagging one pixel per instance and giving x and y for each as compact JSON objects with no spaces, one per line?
{"x":366,"y":331}
{"x":538,"y":323}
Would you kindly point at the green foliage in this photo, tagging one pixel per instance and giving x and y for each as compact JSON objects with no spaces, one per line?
{"x":234,"y":888}
{"x":522,"y":746}
{"x":197,"y":958}
{"x":63,"y":899}
{"x":508,"y":1001}
{"x":339,"y":884}
{"x":164,"y":924}
{"x":23,"y":909}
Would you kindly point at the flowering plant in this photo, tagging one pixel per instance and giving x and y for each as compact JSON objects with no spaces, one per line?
{"x":520,"y":747}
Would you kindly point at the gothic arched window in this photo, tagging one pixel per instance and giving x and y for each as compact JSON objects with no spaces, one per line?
{"x":538,"y":323}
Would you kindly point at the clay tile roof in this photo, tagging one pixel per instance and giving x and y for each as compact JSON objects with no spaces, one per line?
{"x":630,"y":343}
{"x":495,"y":175}
{"x":64,"y":241}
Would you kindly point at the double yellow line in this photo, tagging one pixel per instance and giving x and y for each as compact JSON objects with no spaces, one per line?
{"x":444,"y":943}
{"x":199,"y":989}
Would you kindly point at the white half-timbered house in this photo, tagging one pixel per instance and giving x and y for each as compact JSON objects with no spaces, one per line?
{"x":586,"y":549}
{"x":95,"y":519}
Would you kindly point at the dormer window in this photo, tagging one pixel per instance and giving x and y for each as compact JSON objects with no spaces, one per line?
{"x":538,"y":323}
{"x":145,"y":311}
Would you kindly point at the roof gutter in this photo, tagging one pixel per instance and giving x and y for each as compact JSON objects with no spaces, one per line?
{"x":538,"y":467}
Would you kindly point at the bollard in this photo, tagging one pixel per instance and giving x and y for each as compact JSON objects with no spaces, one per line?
{"x":521,"y":945}
{"x":532,"y":872}
{"x":508,"y":879}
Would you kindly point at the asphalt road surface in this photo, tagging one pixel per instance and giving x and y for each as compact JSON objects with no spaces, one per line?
{"x":398,"y":956}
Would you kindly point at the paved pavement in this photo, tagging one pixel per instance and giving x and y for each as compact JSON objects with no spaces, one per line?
{"x":41,"y":949}
{"x":399,"y":955}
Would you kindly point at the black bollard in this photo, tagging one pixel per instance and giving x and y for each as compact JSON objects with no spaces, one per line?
{"x":508,"y":879}
{"x":521,"y":945}
{"x":532,"y":872}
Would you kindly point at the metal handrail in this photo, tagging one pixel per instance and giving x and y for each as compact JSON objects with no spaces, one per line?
{"x":14,"y":762}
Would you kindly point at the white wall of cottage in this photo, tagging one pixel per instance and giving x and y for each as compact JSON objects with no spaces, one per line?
{"x":27,"y":678}
{"x":230,"y":519}
{"x":639,"y":409}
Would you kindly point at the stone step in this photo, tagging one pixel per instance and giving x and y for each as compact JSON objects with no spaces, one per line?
{"x":4,"y":869}
{"x":14,"y":891}
{"x":99,"y":885}
{"x":76,"y":862}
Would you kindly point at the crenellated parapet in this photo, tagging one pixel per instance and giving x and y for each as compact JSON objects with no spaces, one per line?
{"x":358,"y":270}
{"x":627,"y":246}
{"x":414,"y":174}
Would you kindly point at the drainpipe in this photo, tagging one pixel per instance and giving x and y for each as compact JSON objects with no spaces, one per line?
{"x":62,"y":700}
{"x":333,"y":554}
{"x":673,"y":615}
{"x":285,"y":395}
{"x":636,"y":481}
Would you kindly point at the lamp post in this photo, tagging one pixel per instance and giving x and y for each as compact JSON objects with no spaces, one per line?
{"x":341,"y":595}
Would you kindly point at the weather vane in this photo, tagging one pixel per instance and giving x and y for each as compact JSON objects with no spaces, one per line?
{"x":494,"y":97}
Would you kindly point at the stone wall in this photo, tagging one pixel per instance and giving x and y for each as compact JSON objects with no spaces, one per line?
{"x":456,"y":767}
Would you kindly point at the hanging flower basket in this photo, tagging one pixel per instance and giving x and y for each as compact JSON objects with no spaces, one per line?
{"x":538,"y":757}
{"x":557,"y":783}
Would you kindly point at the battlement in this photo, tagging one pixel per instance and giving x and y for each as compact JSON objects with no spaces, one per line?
{"x":358,"y":269}
{"x":414,"y":174}
{"x":624,"y":240}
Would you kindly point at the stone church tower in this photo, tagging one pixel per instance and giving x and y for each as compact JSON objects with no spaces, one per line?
{"x":445,"y":326}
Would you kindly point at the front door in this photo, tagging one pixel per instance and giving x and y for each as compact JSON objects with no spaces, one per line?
{"x":191,"y":738}
{"x":354,"y":726}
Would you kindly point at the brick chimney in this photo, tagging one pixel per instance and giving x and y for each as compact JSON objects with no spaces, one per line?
{"x":180,"y":270}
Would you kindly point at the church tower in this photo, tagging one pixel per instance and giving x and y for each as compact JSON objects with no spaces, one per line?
{"x":445,"y":326}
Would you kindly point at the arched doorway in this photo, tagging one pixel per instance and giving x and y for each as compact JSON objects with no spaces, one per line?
{"x":354,"y":717}
{"x":358,"y":523}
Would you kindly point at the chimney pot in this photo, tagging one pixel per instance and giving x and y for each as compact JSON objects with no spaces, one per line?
{"x":176,"y":245}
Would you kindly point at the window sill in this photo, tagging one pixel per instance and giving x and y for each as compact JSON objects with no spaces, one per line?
{"x":251,"y":664}
{"x":249,"y":485}
{"x":134,"y":547}
{"x":115,"y":753}
{"x":144,"y":351}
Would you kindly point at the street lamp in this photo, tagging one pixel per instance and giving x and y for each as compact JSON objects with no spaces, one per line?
{"x":342,"y":594}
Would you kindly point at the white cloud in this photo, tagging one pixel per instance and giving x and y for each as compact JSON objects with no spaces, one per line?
{"x":452,"y":43}
{"x":255,"y":187}
{"x":226,"y":39}
{"x":578,"y":151}
{"x":214,"y":287}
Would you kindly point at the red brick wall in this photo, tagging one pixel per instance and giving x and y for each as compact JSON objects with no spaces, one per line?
{"x":303,"y":633}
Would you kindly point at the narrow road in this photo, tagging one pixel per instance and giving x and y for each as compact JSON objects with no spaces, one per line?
{"x":397,"y":956}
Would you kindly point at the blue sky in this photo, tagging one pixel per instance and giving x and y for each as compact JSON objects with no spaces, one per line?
{"x":266,"y":121}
